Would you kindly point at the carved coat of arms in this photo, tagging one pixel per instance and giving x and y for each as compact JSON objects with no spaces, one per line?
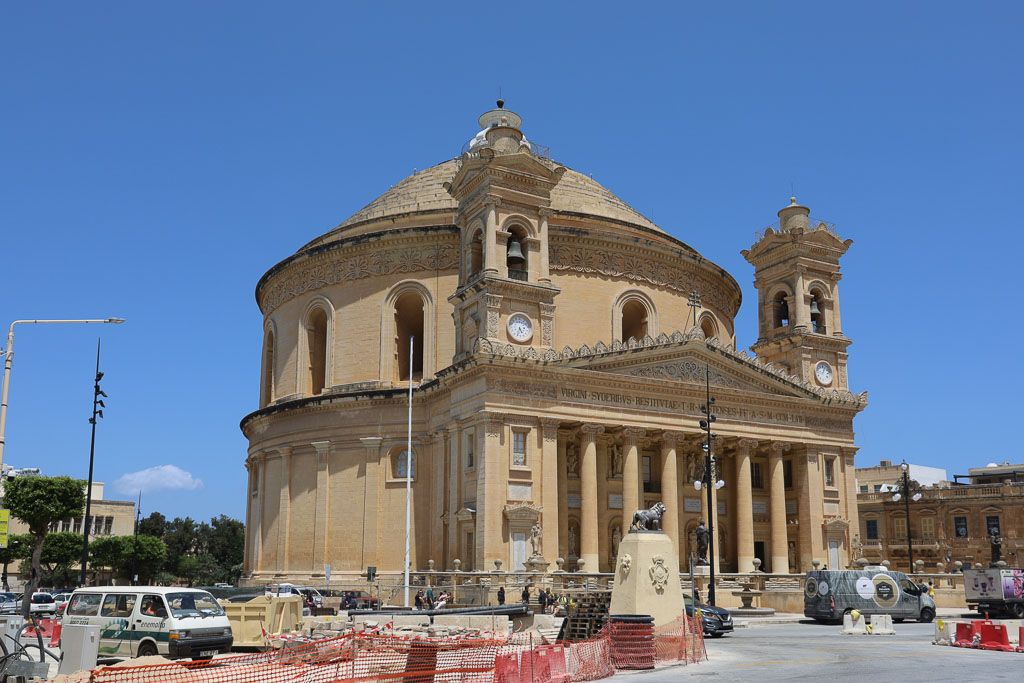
{"x":659,"y":573}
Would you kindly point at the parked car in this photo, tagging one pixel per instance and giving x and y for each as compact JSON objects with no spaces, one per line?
{"x":62,"y":601}
{"x":716,"y":620}
{"x":42,"y":603}
{"x":10,"y":603}
{"x":359,"y":600}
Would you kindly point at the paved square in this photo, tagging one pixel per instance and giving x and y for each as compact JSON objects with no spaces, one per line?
{"x":807,"y":651}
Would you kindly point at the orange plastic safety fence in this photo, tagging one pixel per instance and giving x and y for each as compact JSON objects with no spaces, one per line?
{"x":680,"y":641}
{"x":590,"y":660}
{"x":350,"y":658}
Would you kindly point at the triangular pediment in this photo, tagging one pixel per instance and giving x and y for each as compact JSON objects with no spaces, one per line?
{"x":475,"y":171}
{"x":691,"y":364}
{"x":677,"y":358}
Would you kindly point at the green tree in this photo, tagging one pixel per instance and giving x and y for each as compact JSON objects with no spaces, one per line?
{"x":144,"y":555}
{"x":61,"y":552}
{"x":153,"y":525}
{"x":226,"y":543}
{"x":19,"y":546}
{"x":106,"y":552}
{"x":39,"y":502}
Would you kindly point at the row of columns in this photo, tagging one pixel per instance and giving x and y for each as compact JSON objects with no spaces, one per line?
{"x":670,"y":495}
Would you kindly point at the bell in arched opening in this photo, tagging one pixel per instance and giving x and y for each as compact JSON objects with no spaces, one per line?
{"x":516,"y":260}
{"x":814,"y":307}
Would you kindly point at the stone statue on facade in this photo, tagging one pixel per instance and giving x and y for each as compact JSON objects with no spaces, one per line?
{"x":648,"y":520}
{"x":572,"y":460}
{"x":536,"y":537}
{"x":616,"y":539}
{"x":616,"y":460}
{"x":703,"y":540}
{"x":574,"y":548}
{"x":996,"y":541}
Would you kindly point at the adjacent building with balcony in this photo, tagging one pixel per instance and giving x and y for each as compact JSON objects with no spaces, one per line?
{"x":951,"y":522}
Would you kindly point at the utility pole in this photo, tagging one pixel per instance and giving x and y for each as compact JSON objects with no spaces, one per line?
{"x":97,"y":412}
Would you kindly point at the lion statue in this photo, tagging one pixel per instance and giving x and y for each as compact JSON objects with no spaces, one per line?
{"x":648,"y":520}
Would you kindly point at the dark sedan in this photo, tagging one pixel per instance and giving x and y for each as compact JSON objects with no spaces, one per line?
{"x":716,"y":620}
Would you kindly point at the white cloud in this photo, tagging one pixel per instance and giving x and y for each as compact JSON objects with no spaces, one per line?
{"x":159,"y":478}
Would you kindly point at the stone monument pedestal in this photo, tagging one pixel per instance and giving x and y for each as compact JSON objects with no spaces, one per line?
{"x":536,"y":565}
{"x":647,"y":578}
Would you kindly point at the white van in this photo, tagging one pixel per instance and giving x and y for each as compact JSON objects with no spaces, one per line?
{"x":139,"y":621}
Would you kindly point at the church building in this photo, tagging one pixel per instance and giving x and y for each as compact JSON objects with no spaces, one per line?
{"x":562,"y":345}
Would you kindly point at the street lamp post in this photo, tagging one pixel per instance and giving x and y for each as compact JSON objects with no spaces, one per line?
{"x":904,"y":494}
{"x":709,"y":481}
{"x":9,"y":359}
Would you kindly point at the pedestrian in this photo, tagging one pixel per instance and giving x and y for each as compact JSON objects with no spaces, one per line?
{"x":696,"y":595}
{"x":542,"y":598}
{"x":442,"y":600}
{"x":526,"y":595}
{"x":501,"y":595}
{"x":430,"y":597}
{"x":931,"y":590}
{"x":419,"y":599}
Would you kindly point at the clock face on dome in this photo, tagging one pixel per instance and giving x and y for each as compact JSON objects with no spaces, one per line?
{"x":823,"y":373}
{"x":520,"y":328}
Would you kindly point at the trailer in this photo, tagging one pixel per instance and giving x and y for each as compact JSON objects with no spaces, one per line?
{"x":995,"y":591}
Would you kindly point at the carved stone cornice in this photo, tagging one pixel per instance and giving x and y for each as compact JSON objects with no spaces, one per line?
{"x":355,"y":259}
{"x":647,"y":262}
{"x":592,"y":430}
{"x":522,"y":513}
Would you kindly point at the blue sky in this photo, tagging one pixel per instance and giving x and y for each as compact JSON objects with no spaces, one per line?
{"x":157,"y":158}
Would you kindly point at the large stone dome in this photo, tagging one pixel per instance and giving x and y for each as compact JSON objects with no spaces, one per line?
{"x":423,"y":194}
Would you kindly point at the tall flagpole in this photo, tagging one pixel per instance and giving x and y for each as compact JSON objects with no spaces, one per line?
{"x":408,"y":479}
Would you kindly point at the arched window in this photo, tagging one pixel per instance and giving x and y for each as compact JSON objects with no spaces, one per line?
{"x":633,"y":316}
{"x":515,"y":259}
{"x":475,"y":255}
{"x":400,"y":464}
{"x":780,"y":310}
{"x":817,"y":312}
{"x":708,"y":326}
{"x":634,"y":320}
{"x":408,"y":325}
{"x":267,"y":385}
{"x":316,"y":345}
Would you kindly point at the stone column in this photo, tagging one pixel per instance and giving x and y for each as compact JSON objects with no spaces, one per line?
{"x":491,"y":493}
{"x":322,"y":524}
{"x":630,"y":473}
{"x":372,"y":485}
{"x":260,"y":462}
{"x":811,"y":508}
{"x":799,"y":309}
{"x":490,"y":238}
{"x":550,"y":489}
{"x":670,"y":487}
{"x":544,"y":274}
{"x":250,"y":522}
{"x":744,"y":507}
{"x":589,"y":548}
{"x":562,"y":549}
{"x":285,"y":510}
{"x":777,"y":509}
{"x":437,"y":500}
{"x":850,"y":495}
{"x":454,"y":492}
{"x":837,"y":325}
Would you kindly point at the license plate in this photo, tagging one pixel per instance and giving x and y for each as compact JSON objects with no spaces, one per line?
{"x":207,"y":653}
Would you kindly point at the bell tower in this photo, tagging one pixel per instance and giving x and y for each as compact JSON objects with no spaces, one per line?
{"x":796,"y":273}
{"x":503,"y":187}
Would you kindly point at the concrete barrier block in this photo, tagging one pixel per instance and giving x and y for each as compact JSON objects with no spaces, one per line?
{"x":854,"y":627}
{"x":881,"y":625}
{"x":945,"y":632}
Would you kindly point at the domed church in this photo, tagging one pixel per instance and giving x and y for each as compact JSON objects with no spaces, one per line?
{"x":560,"y":347}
